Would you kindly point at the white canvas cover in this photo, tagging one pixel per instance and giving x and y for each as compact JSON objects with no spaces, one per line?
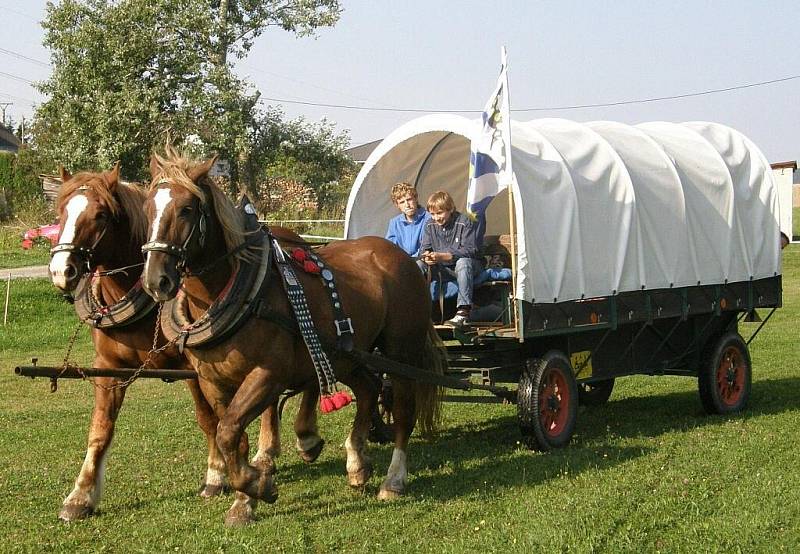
{"x":601,"y":207}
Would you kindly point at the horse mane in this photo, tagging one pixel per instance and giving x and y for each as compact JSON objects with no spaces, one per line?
{"x":174,"y":167}
{"x":127,"y":198}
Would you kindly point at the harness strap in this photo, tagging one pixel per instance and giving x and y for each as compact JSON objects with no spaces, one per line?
{"x":344,"y":325}
{"x":262,"y":310}
{"x":330,"y":398}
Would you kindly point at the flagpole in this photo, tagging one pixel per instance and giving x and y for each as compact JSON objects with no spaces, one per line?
{"x":509,"y":177}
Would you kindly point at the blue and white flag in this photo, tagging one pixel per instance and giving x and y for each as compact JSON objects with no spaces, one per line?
{"x":490,"y":153}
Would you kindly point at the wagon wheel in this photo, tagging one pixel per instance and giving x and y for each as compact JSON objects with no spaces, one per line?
{"x":382,"y":429}
{"x":596,"y":393}
{"x":725,"y":376}
{"x":547,"y":402}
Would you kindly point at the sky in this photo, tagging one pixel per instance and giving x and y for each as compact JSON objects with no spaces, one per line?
{"x":445,"y":56}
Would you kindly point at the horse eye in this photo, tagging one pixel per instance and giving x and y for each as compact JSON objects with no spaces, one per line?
{"x":186,"y":211}
{"x":101,"y":216}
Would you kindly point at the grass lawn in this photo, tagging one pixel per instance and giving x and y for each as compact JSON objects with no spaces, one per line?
{"x":647,"y":472}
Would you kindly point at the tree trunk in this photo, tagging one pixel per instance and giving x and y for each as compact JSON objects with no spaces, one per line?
{"x":222,"y":53}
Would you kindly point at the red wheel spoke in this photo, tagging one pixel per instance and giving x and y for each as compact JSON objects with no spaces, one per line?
{"x":730,"y":376}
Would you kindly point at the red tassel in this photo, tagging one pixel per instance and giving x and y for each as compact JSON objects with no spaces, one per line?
{"x":299,"y":254}
{"x":341,"y":399}
{"x":310,"y":267}
{"x":326,"y":405}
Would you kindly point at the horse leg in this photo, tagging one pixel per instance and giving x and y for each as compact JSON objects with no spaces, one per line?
{"x":309,"y":443}
{"x":269,"y":439}
{"x":404,"y":414}
{"x":215,"y":480}
{"x":359,"y":466}
{"x":256,"y":392}
{"x":85,"y":496}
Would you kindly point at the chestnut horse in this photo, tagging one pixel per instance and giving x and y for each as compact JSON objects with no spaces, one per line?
{"x":103,"y":227}
{"x":379,"y":286}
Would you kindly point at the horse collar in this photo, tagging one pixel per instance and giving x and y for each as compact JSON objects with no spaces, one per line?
{"x":231,"y":309}
{"x":132,"y":307}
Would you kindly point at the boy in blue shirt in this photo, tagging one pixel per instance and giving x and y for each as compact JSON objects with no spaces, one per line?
{"x":405,"y":229}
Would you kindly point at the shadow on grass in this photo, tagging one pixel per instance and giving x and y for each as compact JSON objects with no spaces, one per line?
{"x":484,"y":459}
{"x":650,"y":416}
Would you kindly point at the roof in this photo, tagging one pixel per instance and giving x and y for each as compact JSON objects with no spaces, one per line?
{"x":8,"y":140}
{"x":360,"y":153}
{"x":785,"y":165}
{"x":601,"y":207}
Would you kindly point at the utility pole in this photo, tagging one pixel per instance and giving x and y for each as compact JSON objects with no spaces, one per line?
{"x":3,"y":106}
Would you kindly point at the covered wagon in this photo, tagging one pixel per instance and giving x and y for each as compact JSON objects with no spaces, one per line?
{"x":633,"y":249}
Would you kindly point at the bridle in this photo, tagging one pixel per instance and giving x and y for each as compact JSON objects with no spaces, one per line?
{"x":84,"y":253}
{"x":179,"y":251}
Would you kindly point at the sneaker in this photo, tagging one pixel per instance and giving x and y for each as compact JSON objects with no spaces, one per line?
{"x":460,"y":319}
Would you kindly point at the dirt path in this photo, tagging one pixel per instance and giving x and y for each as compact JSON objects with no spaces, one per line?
{"x":20,"y":272}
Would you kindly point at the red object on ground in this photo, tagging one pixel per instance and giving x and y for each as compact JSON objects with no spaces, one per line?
{"x":49,"y":232}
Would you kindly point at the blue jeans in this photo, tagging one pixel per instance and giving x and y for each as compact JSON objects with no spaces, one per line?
{"x":464,"y":273}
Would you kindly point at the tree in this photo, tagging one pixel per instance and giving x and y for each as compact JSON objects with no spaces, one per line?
{"x":129,"y":72}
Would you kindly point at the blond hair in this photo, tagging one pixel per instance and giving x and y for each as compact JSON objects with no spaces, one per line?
{"x":441,"y":201}
{"x":402,"y":189}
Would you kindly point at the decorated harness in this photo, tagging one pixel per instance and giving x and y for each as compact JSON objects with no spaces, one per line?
{"x":242,"y":297}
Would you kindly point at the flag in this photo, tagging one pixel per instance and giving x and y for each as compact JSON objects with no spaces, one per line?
{"x":490,"y":151}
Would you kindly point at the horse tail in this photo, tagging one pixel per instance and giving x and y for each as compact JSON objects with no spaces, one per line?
{"x":428,"y":396}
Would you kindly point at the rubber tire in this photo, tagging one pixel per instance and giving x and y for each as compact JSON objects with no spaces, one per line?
{"x":533,"y":378}
{"x":596,"y":393}
{"x":711,"y":394}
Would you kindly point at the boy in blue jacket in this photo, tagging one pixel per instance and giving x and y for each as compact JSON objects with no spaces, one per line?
{"x":450,"y":244}
{"x":405,"y":229}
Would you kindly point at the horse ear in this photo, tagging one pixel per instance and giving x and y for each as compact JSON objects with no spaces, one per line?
{"x":65,"y":175}
{"x":155,"y":167}
{"x":112,"y":177}
{"x":201,"y":169}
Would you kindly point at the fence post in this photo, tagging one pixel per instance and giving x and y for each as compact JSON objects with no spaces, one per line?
{"x":8,"y":292}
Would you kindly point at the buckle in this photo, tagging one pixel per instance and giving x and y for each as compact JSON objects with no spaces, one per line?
{"x":344,"y":326}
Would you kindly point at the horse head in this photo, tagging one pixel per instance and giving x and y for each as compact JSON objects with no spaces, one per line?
{"x":179,"y":210}
{"x":93,"y":221}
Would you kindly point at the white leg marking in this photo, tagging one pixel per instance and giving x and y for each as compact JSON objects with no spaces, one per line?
{"x":398,"y":473}
{"x":58,"y":264}
{"x":161,"y":199}
{"x":215,"y":477}
{"x":354,"y":459}
{"x":89,"y":496}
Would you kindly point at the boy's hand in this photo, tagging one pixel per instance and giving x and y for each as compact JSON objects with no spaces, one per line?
{"x":432,"y":258}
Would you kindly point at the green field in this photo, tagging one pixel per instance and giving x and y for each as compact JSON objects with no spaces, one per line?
{"x":647,"y":472}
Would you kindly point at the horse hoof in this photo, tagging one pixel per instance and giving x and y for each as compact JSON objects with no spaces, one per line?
{"x":210,"y":491}
{"x":358,"y":479}
{"x":74,"y":512}
{"x":310,"y":456}
{"x":389,"y":494}
{"x":239,"y":515}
